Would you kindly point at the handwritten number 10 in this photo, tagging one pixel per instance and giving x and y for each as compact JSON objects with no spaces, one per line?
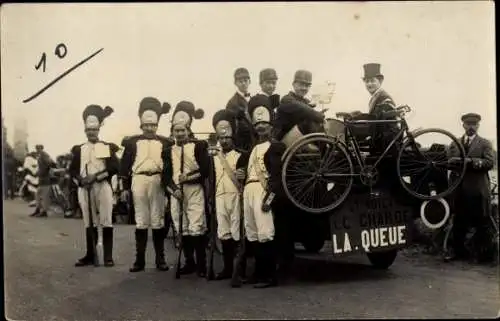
{"x":60,"y":52}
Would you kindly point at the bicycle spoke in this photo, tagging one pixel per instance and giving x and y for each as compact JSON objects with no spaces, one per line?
{"x":414,"y":171}
{"x":300,"y":186}
{"x":303,"y":196}
{"x":421,"y":181}
{"x":326,"y":160}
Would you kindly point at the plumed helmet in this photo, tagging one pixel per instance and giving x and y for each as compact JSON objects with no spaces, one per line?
{"x":151,"y":109}
{"x":94,"y":115}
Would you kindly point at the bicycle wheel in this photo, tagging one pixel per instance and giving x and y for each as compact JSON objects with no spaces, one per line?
{"x":317,"y":174}
{"x":426,"y":173}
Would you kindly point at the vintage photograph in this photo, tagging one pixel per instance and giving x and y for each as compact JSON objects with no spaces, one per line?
{"x":253,"y":160}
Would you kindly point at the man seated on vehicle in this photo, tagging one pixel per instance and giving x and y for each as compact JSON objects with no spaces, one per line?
{"x":380,"y":107}
{"x":296,"y":116}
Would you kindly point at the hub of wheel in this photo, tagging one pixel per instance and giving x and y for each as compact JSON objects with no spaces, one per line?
{"x":369,"y":175}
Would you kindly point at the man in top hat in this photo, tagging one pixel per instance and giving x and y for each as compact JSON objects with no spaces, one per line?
{"x":238,"y":105}
{"x":186,"y":169}
{"x":380,"y":100}
{"x":263,"y":182}
{"x":472,"y":197}
{"x":230,"y":166}
{"x":141,"y":175}
{"x":296,"y":115}
{"x":93,"y":164}
{"x":379,"y":105}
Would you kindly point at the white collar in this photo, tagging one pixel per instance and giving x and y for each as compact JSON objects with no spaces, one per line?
{"x":471,"y":138}
{"x":263,"y":93}
{"x":242,"y":94}
{"x":377,"y":91}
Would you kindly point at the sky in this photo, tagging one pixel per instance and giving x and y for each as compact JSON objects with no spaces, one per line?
{"x":437,"y":57}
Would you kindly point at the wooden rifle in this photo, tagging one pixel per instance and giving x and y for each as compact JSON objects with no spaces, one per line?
{"x":91,"y":220}
{"x":212,"y":142}
{"x":241,"y":255}
{"x":181,"y":215}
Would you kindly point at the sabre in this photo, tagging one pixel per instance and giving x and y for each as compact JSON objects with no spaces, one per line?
{"x":91,"y":220}
{"x":181,"y":214}
{"x":237,"y":267}
{"x":212,"y":141}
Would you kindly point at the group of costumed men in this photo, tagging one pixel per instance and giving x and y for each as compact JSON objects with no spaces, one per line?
{"x":252,"y":132}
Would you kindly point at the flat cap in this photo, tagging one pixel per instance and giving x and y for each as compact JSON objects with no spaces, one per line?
{"x":268,"y":74}
{"x":471,"y":118}
{"x":303,"y":76}
{"x":241,"y":73}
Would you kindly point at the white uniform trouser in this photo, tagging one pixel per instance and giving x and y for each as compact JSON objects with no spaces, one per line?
{"x":227,"y":208}
{"x":149,"y":201}
{"x":193,"y":219}
{"x":259,"y":226}
{"x":101,"y":200}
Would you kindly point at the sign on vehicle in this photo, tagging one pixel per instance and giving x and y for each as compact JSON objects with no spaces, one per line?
{"x":367,"y":223}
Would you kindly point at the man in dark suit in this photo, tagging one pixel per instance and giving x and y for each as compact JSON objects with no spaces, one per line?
{"x":472,"y":196}
{"x":238,"y":105}
{"x":379,"y":105}
{"x":296,"y":115}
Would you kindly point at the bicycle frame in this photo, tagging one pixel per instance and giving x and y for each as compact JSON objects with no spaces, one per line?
{"x":352,"y":142}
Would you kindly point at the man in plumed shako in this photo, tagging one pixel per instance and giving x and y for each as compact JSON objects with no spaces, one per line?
{"x":263,"y":183}
{"x":296,"y":115}
{"x":92,"y":166}
{"x":230,"y":167}
{"x":186,"y":169}
{"x":238,"y":105}
{"x":141,"y":175}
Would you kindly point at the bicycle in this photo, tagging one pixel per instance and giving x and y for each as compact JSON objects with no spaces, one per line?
{"x":318,"y":169}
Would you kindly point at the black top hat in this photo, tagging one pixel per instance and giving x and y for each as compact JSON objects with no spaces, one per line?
{"x":372,"y":70}
{"x":471,"y":118}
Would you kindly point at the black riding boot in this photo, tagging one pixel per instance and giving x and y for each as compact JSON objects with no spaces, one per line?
{"x":159,"y":245}
{"x":200,"y":247}
{"x":257,"y":275}
{"x":228,"y":257}
{"x":253,"y":251}
{"x":188,"y":249}
{"x":268,"y":266}
{"x":36,"y":212}
{"x":141,"y":240}
{"x":107,"y":244}
{"x":88,"y":259}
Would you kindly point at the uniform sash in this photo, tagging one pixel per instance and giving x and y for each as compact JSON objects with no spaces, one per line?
{"x":227,"y":168}
{"x":259,"y":173}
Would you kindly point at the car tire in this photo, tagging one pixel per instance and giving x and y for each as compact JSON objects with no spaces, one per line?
{"x":382,"y":260}
{"x":313,"y":245}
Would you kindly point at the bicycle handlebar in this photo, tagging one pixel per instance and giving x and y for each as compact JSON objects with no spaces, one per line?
{"x":398,"y":111}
